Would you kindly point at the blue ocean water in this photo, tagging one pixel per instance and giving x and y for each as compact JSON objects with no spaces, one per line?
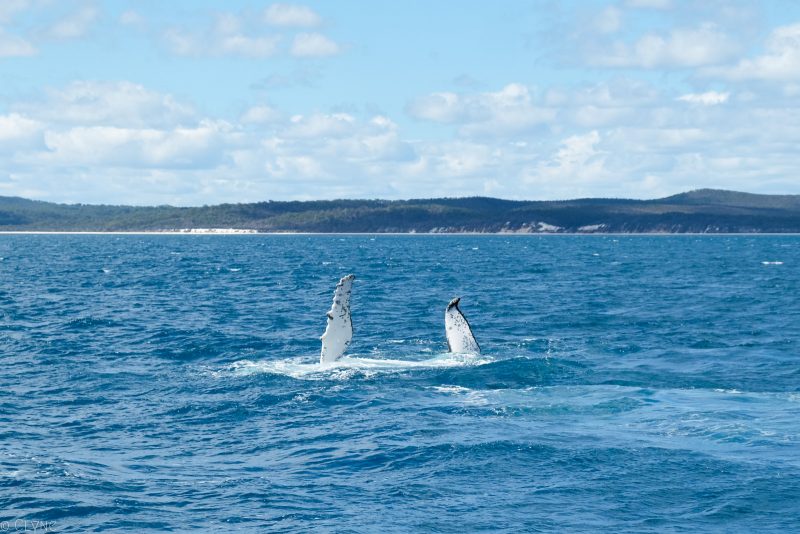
{"x":627,"y":384}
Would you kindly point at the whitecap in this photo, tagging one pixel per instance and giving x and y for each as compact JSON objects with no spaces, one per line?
{"x":451,"y":389}
{"x":348,"y":367}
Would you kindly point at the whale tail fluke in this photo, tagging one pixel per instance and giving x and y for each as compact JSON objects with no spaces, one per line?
{"x":459,"y":334}
{"x":339,"y":331}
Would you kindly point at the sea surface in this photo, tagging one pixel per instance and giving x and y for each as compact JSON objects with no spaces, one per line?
{"x":627,"y":384}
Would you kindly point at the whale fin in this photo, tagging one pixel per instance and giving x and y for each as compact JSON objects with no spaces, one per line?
{"x":459,"y":334}
{"x":339,"y":331}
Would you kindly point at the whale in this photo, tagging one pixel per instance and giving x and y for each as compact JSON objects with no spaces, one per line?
{"x":459,"y":334}
{"x":339,"y":330}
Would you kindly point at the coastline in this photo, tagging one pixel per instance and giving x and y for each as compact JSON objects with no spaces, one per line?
{"x":375,"y":234}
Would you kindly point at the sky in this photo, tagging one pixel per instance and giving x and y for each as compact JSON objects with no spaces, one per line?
{"x":192,"y":102}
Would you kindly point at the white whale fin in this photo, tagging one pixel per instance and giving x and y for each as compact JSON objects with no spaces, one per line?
{"x":459,"y":334}
{"x":339,"y":331}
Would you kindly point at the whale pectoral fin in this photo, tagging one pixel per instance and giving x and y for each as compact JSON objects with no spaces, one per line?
{"x":339,"y":330}
{"x":459,"y":334}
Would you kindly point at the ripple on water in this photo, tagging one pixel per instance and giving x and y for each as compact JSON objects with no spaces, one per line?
{"x":628,"y":384}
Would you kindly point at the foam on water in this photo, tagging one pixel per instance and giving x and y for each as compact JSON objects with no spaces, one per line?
{"x":347,"y":367}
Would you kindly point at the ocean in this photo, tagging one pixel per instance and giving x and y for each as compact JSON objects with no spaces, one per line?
{"x":155,"y":383}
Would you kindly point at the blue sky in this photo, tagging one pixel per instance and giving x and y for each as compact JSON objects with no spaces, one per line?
{"x":200,"y":102}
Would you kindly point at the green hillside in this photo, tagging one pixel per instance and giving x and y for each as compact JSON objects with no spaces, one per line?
{"x":702,"y":211}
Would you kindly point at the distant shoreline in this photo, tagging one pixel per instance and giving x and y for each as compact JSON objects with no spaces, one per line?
{"x":410,"y":234}
{"x":698,"y":212}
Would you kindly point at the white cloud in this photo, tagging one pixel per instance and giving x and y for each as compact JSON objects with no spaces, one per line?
{"x":199,"y":146}
{"x":291,"y":16}
{"x":182,"y":43}
{"x":122,"y":142}
{"x":321,"y":125}
{"x":131,"y":18}
{"x":463,"y":159}
{"x":226,"y":38}
{"x":119,"y":104}
{"x":679,"y":48}
{"x":104,"y":134}
{"x":14,"y":46}
{"x":609,"y":20}
{"x":313,"y":45}
{"x":576,"y":161}
{"x":780,"y":62}
{"x":439,"y":107}
{"x":649,"y":4}
{"x":261,"y":115}
{"x":9,"y":8}
{"x":242,"y":45}
{"x":508,"y":111}
{"x":18,"y":131}
{"x":709,"y":98}
{"x":227,"y":24}
{"x":229,"y":35}
{"x":74,"y":25}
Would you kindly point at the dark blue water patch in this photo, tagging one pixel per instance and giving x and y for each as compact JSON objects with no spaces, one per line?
{"x":514,"y":373}
{"x":629,"y":384}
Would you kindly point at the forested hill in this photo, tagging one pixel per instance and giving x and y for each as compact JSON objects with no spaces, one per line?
{"x":701,"y":211}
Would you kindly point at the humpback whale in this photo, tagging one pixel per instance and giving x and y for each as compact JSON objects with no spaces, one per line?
{"x":339,"y":331}
{"x":459,"y":334}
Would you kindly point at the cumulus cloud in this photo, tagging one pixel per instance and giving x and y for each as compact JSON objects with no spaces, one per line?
{"x":261,"y":115}
{"x":779,"y":62}
{"x":609,"y":20}
{"x":241,"y":35}
{"x":202,"y":145}
{"x":107,"y":103}
{"x":292,"y":16}
{"x":227,"y":36}
{"x":313,"y":45}
{"x":508,"y":111}
{"x":321,"y":125}
{"x":120,"y":141}
{"x":306,"y":76}
{"x":14,"y":46}
{"x":182,"y":43}
{"x":576,"y":160}
{"x":679,"y":48}
{"x":74,"y":25}
{"x":709,"y":98}
{"x":649,"y":4}
{"x":131,"y":18}
{"x":627,"y":138}
{"x":19,"y":132}
{"x":248,"y":46}
{"x":514,"y":109}
{"x":9,"y":8}
{"x":114,"y":124}
{"x":115,"y":130}
{"x":439,"y":107}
